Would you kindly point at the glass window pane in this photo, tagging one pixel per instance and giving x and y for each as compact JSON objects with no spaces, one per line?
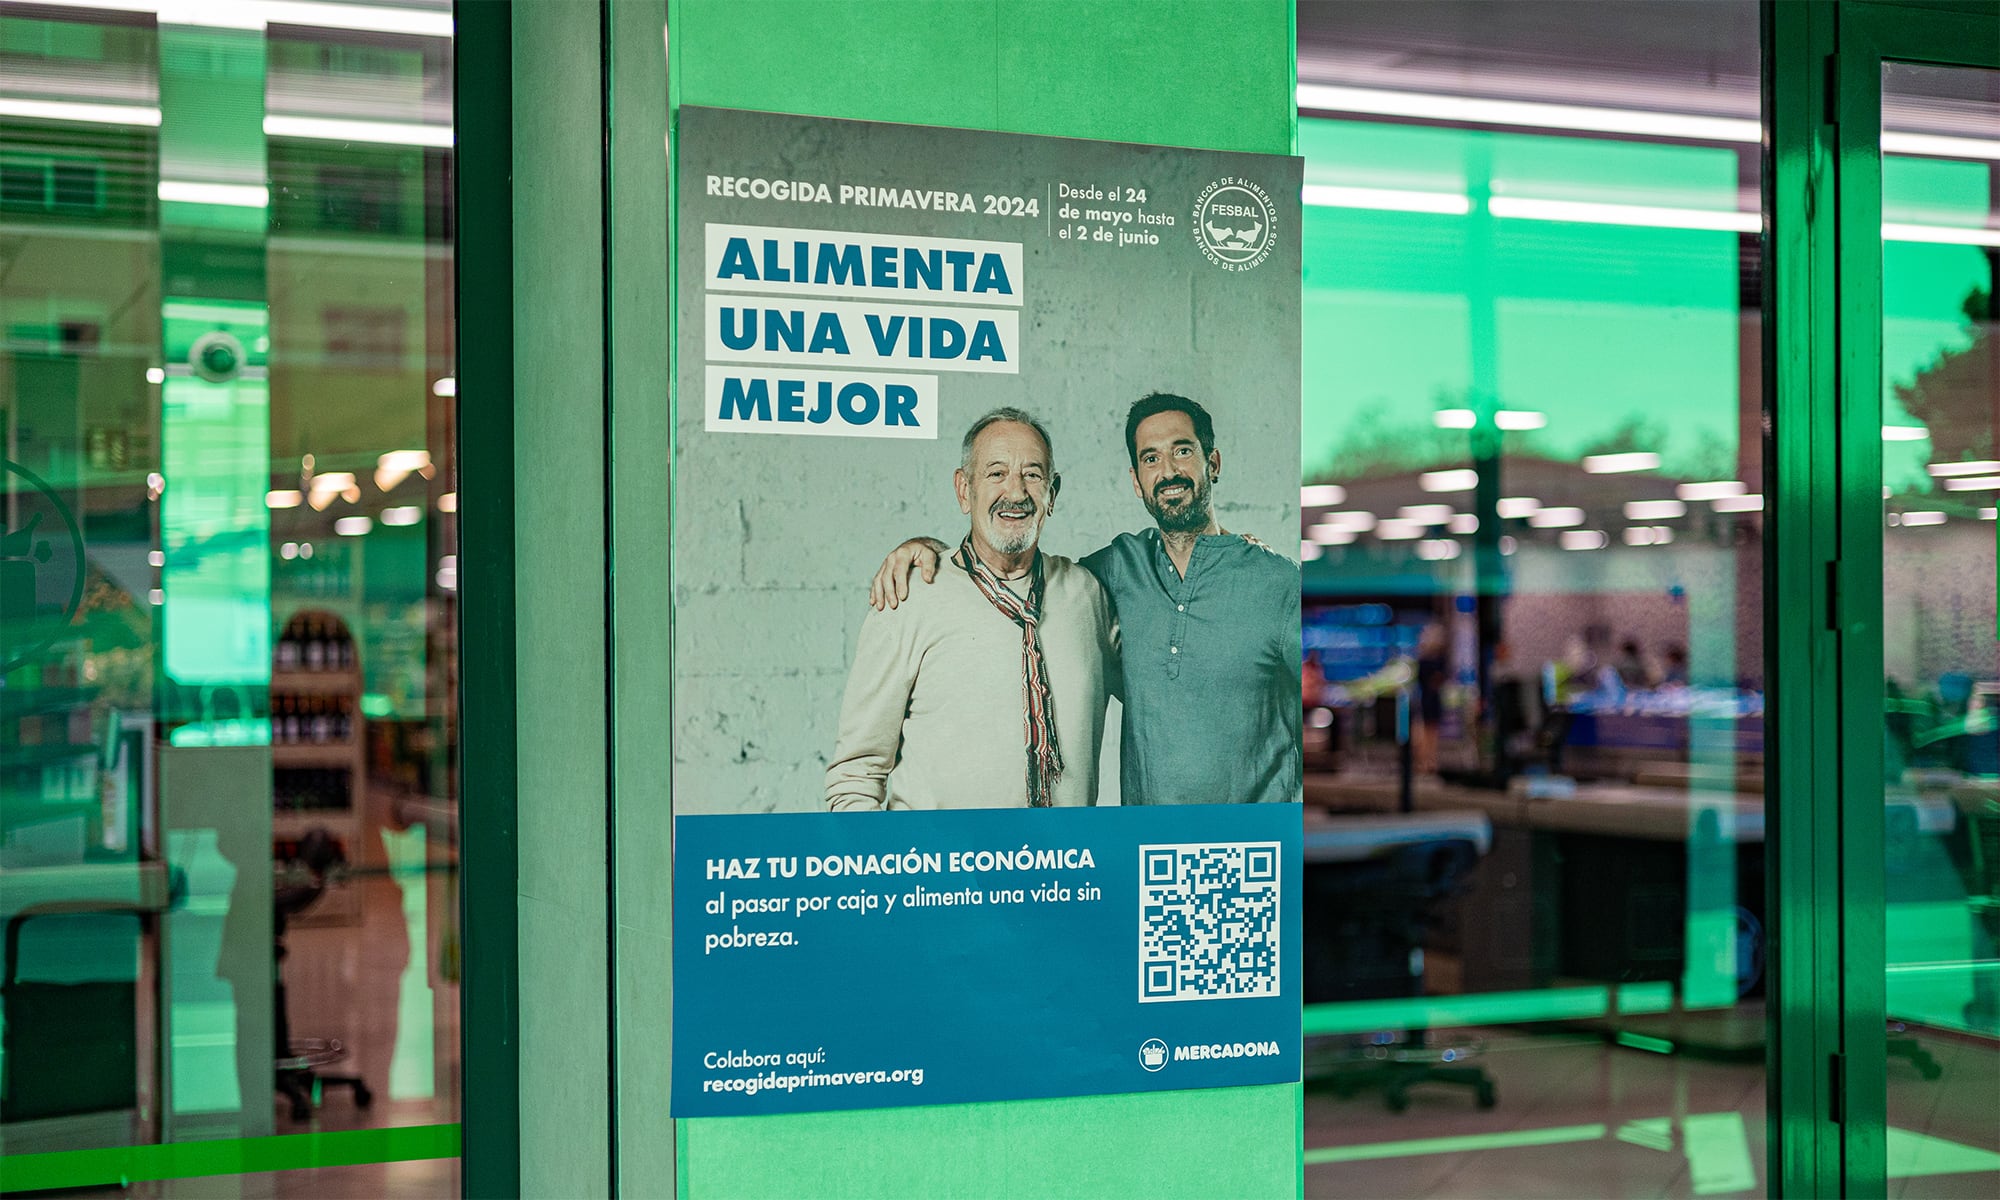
{"x":1533,"y":599}
{"x":228,"y":806}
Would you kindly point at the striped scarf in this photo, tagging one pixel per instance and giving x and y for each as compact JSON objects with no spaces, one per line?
{"x":1044,"y":757}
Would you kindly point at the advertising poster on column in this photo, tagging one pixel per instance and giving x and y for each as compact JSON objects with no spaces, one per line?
{"x":986,"y":762}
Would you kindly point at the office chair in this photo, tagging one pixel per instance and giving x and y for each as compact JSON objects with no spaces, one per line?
{"x":298,"y":1060}
{"x":1365,"y":927}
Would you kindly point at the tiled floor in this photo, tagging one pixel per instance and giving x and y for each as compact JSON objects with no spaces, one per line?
{"x":1581,"y":1118}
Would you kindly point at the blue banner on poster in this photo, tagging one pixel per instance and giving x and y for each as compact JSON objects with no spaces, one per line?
{"x":834,"y":961}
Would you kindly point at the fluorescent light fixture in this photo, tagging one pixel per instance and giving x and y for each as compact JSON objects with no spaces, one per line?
{"x":83,"y":114}
{"x":1591,"y":119}
{"x":1508,"y":544}
{"x":156,"y":375}
{"x":1556,"y":518}
{"x":1513,"y":508}
{"x":1393,"y":530}
{"x":1324,"y":195}
{"x":1655,"y":510}
{"x":397,"y":465}
{"x":448,"y":503}
{"x":403,"y":514}
{"x":156,"y":596}
{"x":1982,"y":466}
{"x":1647,"y":535}
{"x":1750,"y":503}
{"x":447,"y":579}
{"x":232,"y":195}
{"x":1462,"y":524}
{"x":1355,"y":521}
{"x":353,"y":526}
{"x":1584,"y":539}
{"x":1327,"y":535}
{"x":1438,"y":549}
{"x":1428,"y":514}
{"x":288,"y":551}
{"x":1715,"y":490}
{"x":327,"y":485}
{"x":1987,"y":514}
{"x":1589,"y":212}
{"x":1462,"y":479}
{"x":1515,"y":419}
{"x":256,"y":14}
{"x":305,"y":549}
{"x":446,"y":387}
{"x":1923,"y":518}
{"x":380,"y":133}
{"x":1454,"y":418}
{"x":1308,"y":551}
{"x":1972,"y":483}
{"x":282,"y":499}
{"x":156,"y":482}
{"x":1933,"y":145}
{"x":368,"y":18}
{"x":1320,"y":495}
{"x":1618,"y":464}
{"x":1905,"y":433}
{"x":1531,"y":114}
{"x":156,"y":558}
{"x":1948,"y":235}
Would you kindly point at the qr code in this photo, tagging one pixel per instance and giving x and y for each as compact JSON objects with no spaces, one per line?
{"x":1208,"y":921}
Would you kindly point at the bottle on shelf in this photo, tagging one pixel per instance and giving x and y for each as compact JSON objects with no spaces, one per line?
{"x":315,"y":651}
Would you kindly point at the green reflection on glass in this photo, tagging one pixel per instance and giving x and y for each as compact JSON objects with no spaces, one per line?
{"x":216,"y":531}
{"x":201,"y":1058}
{"x":413,"y":1065}
{"x":1912,"y":1154}
{"x":1486,"y":1008}
{"x":1718,"y":1153}
{"x":1640,"y":1041}
{"x":1388,"y":295}
{"x":1456,"y":1145}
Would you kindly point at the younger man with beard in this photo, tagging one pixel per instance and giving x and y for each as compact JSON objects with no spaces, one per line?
{"x":1208,"y":627}
{"x":988,"y":690}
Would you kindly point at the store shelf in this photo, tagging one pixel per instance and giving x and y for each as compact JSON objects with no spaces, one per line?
{"x":310,"y":754}
{"x":317,"y":683}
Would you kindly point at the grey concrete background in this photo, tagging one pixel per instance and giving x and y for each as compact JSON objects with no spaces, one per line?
{"x":775,"y":537}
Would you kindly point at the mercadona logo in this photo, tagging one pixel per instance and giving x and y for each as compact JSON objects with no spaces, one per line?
{"x":1234,"y":223}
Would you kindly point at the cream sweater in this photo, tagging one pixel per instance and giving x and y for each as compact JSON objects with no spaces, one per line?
{"x":933,"y":716}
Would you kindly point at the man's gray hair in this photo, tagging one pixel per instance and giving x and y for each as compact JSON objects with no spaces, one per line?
{"x":1016,"y":415}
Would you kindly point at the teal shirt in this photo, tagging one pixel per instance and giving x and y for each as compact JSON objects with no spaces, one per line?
{"x":1211,"y":670}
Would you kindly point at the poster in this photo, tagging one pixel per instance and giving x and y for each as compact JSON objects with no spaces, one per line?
{"x":986,"y":759}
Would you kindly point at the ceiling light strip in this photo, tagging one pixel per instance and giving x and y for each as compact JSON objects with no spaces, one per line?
{"x":1530,"y":114}
{"x":257,"y":14}
{"x":381,"y":133}
{"x":87,"y":114}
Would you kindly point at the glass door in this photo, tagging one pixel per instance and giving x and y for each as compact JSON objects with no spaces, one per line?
{"x":1919,"y":221}
{"x":1940,"y":381}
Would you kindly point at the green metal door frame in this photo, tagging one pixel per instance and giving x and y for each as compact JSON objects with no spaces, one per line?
{"x":1869,"y":33}
{"x":489,"y":871}
{"x":1823,"y":595}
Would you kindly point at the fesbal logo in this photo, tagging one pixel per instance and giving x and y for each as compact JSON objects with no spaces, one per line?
{"x":1235,"y":223}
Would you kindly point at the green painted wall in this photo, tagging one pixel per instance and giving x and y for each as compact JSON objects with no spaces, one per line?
{"x":1210,"y":73}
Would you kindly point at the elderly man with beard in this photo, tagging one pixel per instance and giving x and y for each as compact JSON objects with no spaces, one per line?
{"x":987,"y":690}
{"x":1208,"y":627}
